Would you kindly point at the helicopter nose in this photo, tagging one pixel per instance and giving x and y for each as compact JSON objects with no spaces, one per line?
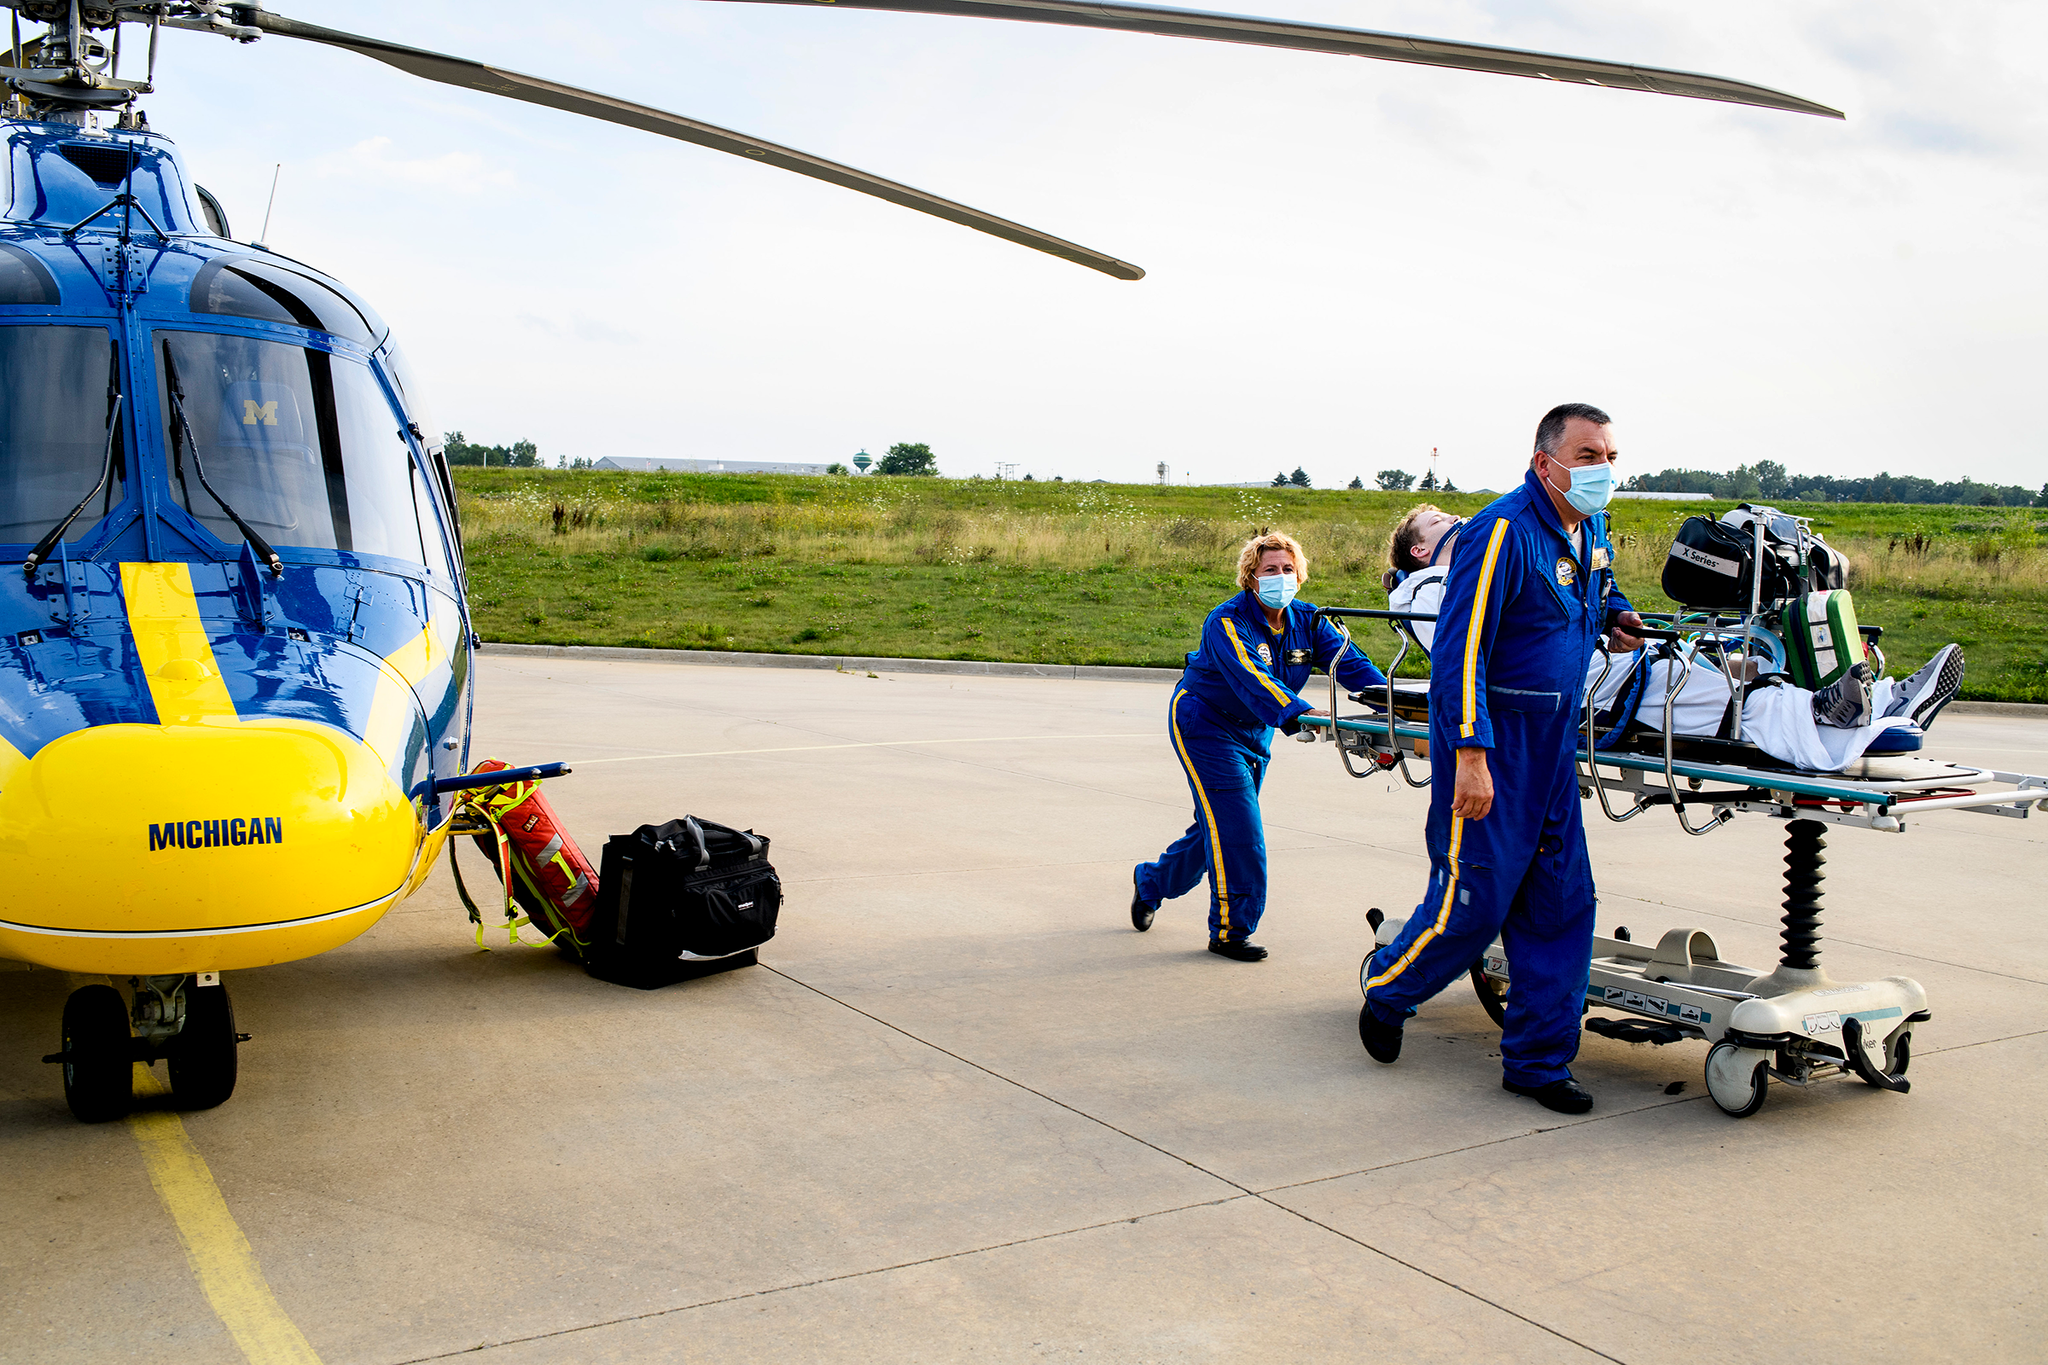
{"x":200,"y":846}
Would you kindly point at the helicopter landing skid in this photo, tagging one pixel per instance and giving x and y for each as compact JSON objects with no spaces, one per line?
{"x":186,"y":1020}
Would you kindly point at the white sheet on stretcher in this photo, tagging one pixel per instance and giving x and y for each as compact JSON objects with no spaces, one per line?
{"x":1778,"y":720}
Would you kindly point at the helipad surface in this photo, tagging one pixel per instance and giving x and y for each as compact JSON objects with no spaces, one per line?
{"x":965,"y":1113}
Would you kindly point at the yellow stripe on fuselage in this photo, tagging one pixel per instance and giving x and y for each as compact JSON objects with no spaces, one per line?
{"x":1281,"y":695}
{"x":1493,"y":544}
{"x":12,"y":761}
{"x":1208,"y":816}
{"x":391,"y":710}
{"x":1443,"y":914}
{"x":172,"y":645}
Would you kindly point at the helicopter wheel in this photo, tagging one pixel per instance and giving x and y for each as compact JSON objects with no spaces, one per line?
{"x":202,"y":1056}
{"x":99,"y":1078}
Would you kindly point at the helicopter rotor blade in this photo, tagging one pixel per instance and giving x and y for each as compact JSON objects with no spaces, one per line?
{"x":1354,"y":42}
{"x":493,"y":80}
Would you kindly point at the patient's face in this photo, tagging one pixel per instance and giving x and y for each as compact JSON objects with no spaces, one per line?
{"x":1433,"y":525}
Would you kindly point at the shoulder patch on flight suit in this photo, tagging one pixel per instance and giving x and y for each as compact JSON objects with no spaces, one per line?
{"x":1567,"y":572}
{"x":1265,"y":654}
{"x":1601,"y":559}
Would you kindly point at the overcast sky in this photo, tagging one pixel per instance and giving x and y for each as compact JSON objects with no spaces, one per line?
{"x":1350,"y":262}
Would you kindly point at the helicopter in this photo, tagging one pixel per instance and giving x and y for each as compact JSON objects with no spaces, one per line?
{"x":237,"y":662}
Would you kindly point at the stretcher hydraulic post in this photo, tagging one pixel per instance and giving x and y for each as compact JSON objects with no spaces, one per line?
{"x":1793,"y":1022}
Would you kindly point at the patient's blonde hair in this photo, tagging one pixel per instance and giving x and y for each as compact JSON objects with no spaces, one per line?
{"x":1248,"y":558}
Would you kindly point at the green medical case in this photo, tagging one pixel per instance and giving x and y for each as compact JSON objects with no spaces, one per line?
{"x":1821,"y":639}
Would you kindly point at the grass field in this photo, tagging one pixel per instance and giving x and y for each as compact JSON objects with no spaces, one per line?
{"x":1107,"y":573}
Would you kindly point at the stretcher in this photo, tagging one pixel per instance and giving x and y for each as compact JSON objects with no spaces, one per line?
{"x":1794,"y":1022}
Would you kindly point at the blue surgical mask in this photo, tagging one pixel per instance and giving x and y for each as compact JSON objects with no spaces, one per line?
{"x":1592,"y":486}
{"x":1277,"y":590}
{"x":1448,"y":538}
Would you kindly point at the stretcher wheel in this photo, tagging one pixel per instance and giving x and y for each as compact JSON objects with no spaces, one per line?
{"x":1739,"y":1090}
{"x":99,"y":1079}
{"x":202,"y":1056}
{"x":1493,"y":995}
{"x":1898,"y":1052}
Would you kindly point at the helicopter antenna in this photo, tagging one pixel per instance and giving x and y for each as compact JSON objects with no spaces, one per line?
{"x":269,"y":204}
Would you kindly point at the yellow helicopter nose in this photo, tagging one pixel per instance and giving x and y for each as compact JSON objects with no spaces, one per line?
{"x":199,"y":847}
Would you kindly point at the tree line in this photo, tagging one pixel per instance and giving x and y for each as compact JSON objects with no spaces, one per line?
{"x":1388,"y":480}
{"x":1769,"y":479}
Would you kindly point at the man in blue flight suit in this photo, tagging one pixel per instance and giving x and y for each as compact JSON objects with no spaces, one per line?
{"x":1531,"y":587}
{"x":1242,"y":680}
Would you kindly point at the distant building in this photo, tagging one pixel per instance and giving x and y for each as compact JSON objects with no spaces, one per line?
{"x":666,"y":464}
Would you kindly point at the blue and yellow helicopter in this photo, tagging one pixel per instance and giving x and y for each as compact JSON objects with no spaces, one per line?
{"x":236,"y":661}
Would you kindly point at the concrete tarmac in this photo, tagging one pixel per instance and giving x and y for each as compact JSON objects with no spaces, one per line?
{"x":963,"y":1112}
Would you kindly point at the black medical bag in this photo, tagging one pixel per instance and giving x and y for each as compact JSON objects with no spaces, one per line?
{"x":1711,"y":565}
{"x":1714,"y":564}
{"x":681,"y":900}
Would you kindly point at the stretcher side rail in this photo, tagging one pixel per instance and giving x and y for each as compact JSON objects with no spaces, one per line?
{"x":1874,"y":803}
{"x":1830,"y":798}
{"x":1407,"y":638}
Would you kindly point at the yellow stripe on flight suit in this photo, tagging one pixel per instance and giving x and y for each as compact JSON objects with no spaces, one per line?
{"x":1280,"y":694}
{"x":1493,"y":544}
{"x":1208,"y":815}
{"x":1443,"y":915}
{"x":172,"y":646}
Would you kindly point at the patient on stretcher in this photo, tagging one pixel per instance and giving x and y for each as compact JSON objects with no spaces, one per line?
{"x":1822,"y":731}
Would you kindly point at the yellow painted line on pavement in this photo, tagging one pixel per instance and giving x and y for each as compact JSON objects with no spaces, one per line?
{"x":875,"y":744}
{"x":221,"y":1257}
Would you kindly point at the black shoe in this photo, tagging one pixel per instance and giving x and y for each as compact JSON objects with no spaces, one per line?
{"x":1382,"y":1040}
{"x":1565,"y":1097}
{"x":1142,"y":910}
{"x":1237,"y":952}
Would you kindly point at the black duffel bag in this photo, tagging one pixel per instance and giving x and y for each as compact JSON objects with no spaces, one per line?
{"x":681,"y":900}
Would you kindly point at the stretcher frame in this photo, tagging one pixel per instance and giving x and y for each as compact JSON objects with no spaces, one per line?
{"x":1794,"y":1023}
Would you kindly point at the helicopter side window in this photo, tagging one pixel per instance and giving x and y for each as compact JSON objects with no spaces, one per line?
{"x":430,"y":529}
{"x":24,"y":279}
{"x":244,"y":287}
{"x":53,"y":430}
{"x":303,"y":444}
{"x":409,"y":394}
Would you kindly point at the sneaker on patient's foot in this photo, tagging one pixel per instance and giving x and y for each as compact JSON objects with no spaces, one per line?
{"x":1921,"y":697}
{"x":1845,"y":703}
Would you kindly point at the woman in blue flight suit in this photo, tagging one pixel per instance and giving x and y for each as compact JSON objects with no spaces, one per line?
{"x":1242,"y":680}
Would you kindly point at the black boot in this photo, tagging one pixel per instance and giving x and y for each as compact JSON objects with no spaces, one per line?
{"x":1565,"y":1097}
{"x":1382,"y":1040}
{"x":1142,"y":910}
{"x":1239,"y":951}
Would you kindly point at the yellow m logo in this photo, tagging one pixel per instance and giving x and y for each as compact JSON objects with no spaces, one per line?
{"x":254,"y":412}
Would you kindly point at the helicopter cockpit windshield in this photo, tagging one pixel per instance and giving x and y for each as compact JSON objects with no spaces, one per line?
{"x":53,"y":430}
{"x":301,"y":442}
